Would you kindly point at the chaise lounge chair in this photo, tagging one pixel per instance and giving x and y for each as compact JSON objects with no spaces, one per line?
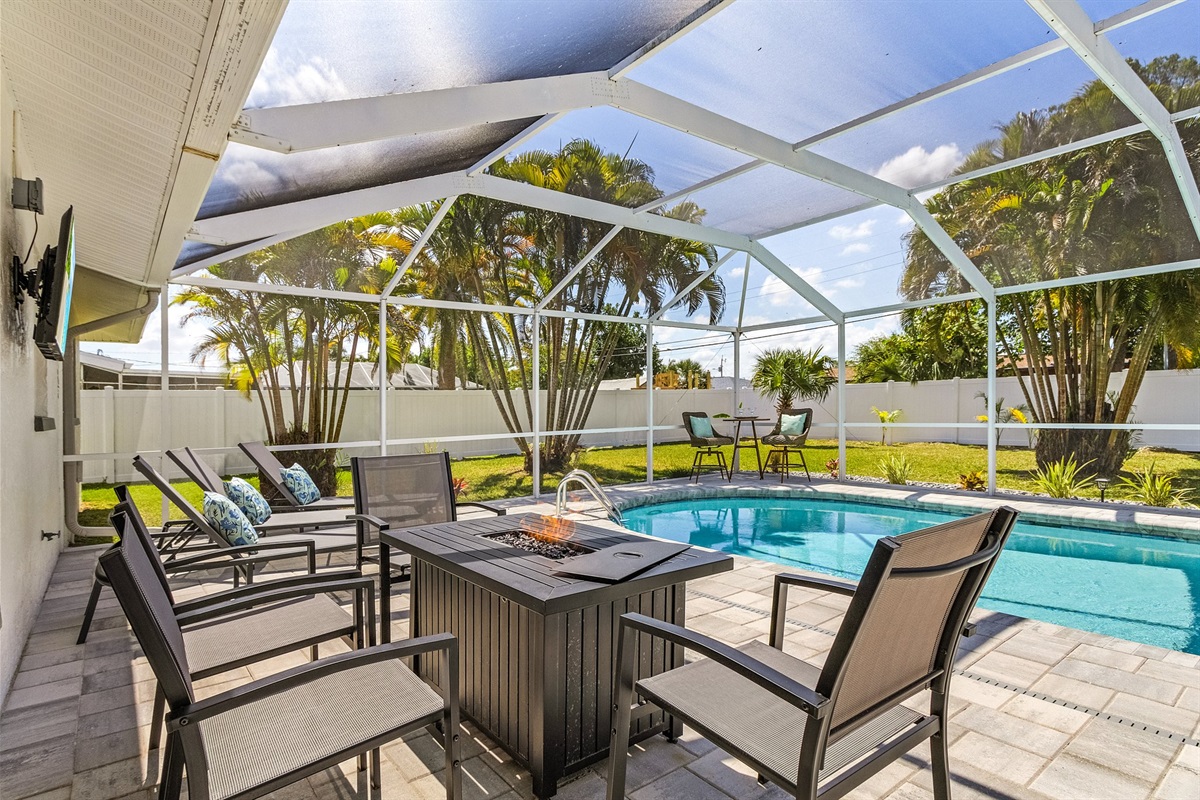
{"x":205,"y":557}
{"x":269,"y":468}
{"x":208,"y":479}
{"x":822,"y":731}
{"x":272,"y":732}
{"x":182,"y":532}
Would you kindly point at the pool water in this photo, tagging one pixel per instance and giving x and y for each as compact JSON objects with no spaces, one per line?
{"x":1142,"y":588}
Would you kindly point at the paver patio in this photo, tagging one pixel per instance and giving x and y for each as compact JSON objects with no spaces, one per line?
{"x":1040,"y":711}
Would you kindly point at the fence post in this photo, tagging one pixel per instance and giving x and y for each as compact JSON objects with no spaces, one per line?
{"x":222,"y":439}
{"x":649,"y":404}
{"x":110,"y":433}
{"x":957,"y":389}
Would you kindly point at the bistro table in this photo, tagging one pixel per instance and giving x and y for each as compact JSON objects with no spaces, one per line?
{"x":735,"y":463}
{"x":536,"y":647}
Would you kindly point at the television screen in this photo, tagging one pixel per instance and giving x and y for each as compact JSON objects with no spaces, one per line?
{"x":56,"y":278}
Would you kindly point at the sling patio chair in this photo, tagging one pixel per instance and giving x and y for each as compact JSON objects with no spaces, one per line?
{"x":270,"y":468}
{"x":708,"y":444}
{"x":236,"y":627}
{"x":818,"y":732}
{"x":182,"y":532}
{"x":787,"y":437}
{"x":209,"y":480}
{"x":269,"y":733}
{"x":403,"y":491}
{"x":203,"y":557}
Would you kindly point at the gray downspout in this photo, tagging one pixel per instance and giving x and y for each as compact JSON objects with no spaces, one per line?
{"x":72,"y":471}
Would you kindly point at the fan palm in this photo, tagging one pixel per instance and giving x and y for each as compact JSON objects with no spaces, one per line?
{"x":788,"y":375}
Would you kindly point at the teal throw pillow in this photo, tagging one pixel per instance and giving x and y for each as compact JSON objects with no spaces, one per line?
{"x":702,"y":427}
{"x":228,"y":520}
{"x":296,"y":479}
{"x":793,"y":424}
{"x":246,"y":497}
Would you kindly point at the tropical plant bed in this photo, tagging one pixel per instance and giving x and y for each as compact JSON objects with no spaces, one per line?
{"x":493,"y":477}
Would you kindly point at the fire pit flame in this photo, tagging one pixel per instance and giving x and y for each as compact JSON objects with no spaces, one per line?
{"x":554,"y":530}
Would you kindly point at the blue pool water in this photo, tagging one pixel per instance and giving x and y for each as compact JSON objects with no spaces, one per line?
{"x":1142,"y":588}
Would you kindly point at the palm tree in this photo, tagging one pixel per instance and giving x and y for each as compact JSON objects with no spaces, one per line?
{"x":297,"y":354}
{"x":1110,"y":206}
{"x":789,"y":375}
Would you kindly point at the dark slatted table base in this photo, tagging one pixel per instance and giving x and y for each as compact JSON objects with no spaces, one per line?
{"x":536,"y":646}
{"x":541,"y":686}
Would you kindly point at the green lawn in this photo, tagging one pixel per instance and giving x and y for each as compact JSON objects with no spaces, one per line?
{"x":492,"y":477}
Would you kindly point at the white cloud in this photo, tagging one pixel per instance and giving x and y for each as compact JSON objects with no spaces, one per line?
{"x":850,"y":283}
{"x":903,"y":219}
{"x":777,"y":293}
{"x":845,"y":233}
{"x":857,"y":247}
{"x":918,"y":165}
{"x":737,"y":272}
{"x":284,"y":81}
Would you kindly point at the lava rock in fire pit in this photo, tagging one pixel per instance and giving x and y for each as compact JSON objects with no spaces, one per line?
{"x":542,"y":547}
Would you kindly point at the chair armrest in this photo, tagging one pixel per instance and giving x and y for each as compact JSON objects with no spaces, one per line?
{"x":307,"y":673}
{"x":241,"y":551}
{"x":499,"y":512}
{"x":313,"y":582}
{"x":779,"y":600}
{"x":847,"y":588}
{"x":969,"y":629}
{"x":787,"y":689}
{"x":372,"y":520}
{"x":357,"y":584}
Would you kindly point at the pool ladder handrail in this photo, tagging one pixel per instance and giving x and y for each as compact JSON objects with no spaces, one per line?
{"x":585,"y":479}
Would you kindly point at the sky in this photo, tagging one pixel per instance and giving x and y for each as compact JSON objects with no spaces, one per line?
{"x":779,"y":66}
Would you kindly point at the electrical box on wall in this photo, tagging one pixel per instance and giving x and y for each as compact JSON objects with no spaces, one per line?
{"x":43,"y":424}
{"x":27,"y":195}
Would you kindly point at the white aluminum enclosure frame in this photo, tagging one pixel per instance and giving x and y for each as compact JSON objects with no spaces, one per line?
{"x":305,"y":127}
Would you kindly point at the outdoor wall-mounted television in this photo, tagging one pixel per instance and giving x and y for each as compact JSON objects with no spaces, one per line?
{"x":55,"y":279}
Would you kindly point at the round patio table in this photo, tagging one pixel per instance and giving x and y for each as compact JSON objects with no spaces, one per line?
{"x":752,"y":442}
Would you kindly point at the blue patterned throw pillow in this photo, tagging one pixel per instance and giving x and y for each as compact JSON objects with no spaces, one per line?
{"x":247,"y":498}
{"x":228,"y":520}
{"x":296,"y":479}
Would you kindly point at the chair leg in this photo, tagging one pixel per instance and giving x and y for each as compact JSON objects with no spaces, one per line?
{"x":939,"y":752}
{"x":724,"y":466}
{"x":156,"y":720}
{"x":172,"y":770}
{"x":618,"y":748}
{"x":804,"y":463}
{"x":89,"y":612}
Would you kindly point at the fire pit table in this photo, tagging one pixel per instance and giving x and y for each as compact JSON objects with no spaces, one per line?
{"x":536,"y":641}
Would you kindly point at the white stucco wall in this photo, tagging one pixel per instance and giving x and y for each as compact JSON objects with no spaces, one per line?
{"x":31,"y":482}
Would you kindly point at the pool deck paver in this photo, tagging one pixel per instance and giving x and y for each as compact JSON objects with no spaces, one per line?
{"x":1038,"y":711}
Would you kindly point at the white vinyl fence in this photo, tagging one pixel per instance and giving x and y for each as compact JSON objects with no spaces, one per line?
{"x":128,"y":421}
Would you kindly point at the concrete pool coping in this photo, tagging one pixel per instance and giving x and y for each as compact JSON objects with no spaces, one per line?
{"x":1112,"y":517}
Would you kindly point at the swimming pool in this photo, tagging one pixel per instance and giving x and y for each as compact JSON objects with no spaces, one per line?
{"x":1142,"y":588}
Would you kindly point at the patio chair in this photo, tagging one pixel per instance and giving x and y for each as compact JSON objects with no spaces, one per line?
{"x":209,"y":480}
{"x":272,"y":732}
{"x":269,"y":468}
{"x":205,"y":557}
{"x":785,"y":444}
{"x":707,"y":442}
{"x":236,"y":627}
{"x":180,"y":533}
{"x":403,"y":491}
{"x":822,"y":731}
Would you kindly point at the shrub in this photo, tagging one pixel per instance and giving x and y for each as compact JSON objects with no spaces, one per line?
{"x":1062,"y":479}
{"x":974,"y":481}
{"x":896,"y":468}
{"x":1154,"y":489}
{"x":832,"y":466}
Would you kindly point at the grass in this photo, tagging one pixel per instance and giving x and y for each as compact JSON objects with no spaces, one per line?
{"x":494,"y":477}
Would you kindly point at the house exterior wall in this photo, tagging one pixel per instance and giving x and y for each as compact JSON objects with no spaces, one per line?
{"x":31,"y":476}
